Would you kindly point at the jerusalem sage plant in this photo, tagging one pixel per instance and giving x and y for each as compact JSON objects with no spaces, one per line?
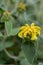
{"x":21,"y":32}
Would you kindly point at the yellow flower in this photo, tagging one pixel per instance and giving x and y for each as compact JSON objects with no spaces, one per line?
{"x":6,"y":13}
{"x":6,"y":16}
{"x":31,"y":30}
{"x":35,"y":31}
{"x":22,"y":6}
{"x":23,"y":27}
{"x":20,"y":35}
{"x":34,"y":37}
{"x":26,"y":33}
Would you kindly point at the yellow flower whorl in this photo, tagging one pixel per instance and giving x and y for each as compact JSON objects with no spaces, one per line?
{"x":31,"y":30}
{"x":22,"y":6}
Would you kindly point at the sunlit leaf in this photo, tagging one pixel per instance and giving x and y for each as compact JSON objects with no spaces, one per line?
{"x":40,"y":64}
{"x":8,"y":27}
{"x":23,"y":59}
{"x":14,"y":32}
{"x":5,"y":45}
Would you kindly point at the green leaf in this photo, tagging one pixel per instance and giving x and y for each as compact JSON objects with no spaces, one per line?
{"x":8,"y":27}
{"x":2,"y":61}
{"x":3,"y":5}
{"x":9,"y":44}
{"x":40,"y":64}
{"x":14,"y":31}
{"x":5,"y":45}
{"x":1,"y":34}
{"x":29,"y":51}
{"x":23,"y":59}
{"x":1,"y":2}
{"x":40,"y":48}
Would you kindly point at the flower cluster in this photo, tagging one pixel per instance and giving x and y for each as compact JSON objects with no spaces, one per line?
{"x":6,"y":13}
{"x":22,"y":6}
{"x":6,"y":16}
{"x":29,"y":30}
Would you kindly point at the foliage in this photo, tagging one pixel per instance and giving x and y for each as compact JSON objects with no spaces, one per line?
{"x":13,"y":15}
